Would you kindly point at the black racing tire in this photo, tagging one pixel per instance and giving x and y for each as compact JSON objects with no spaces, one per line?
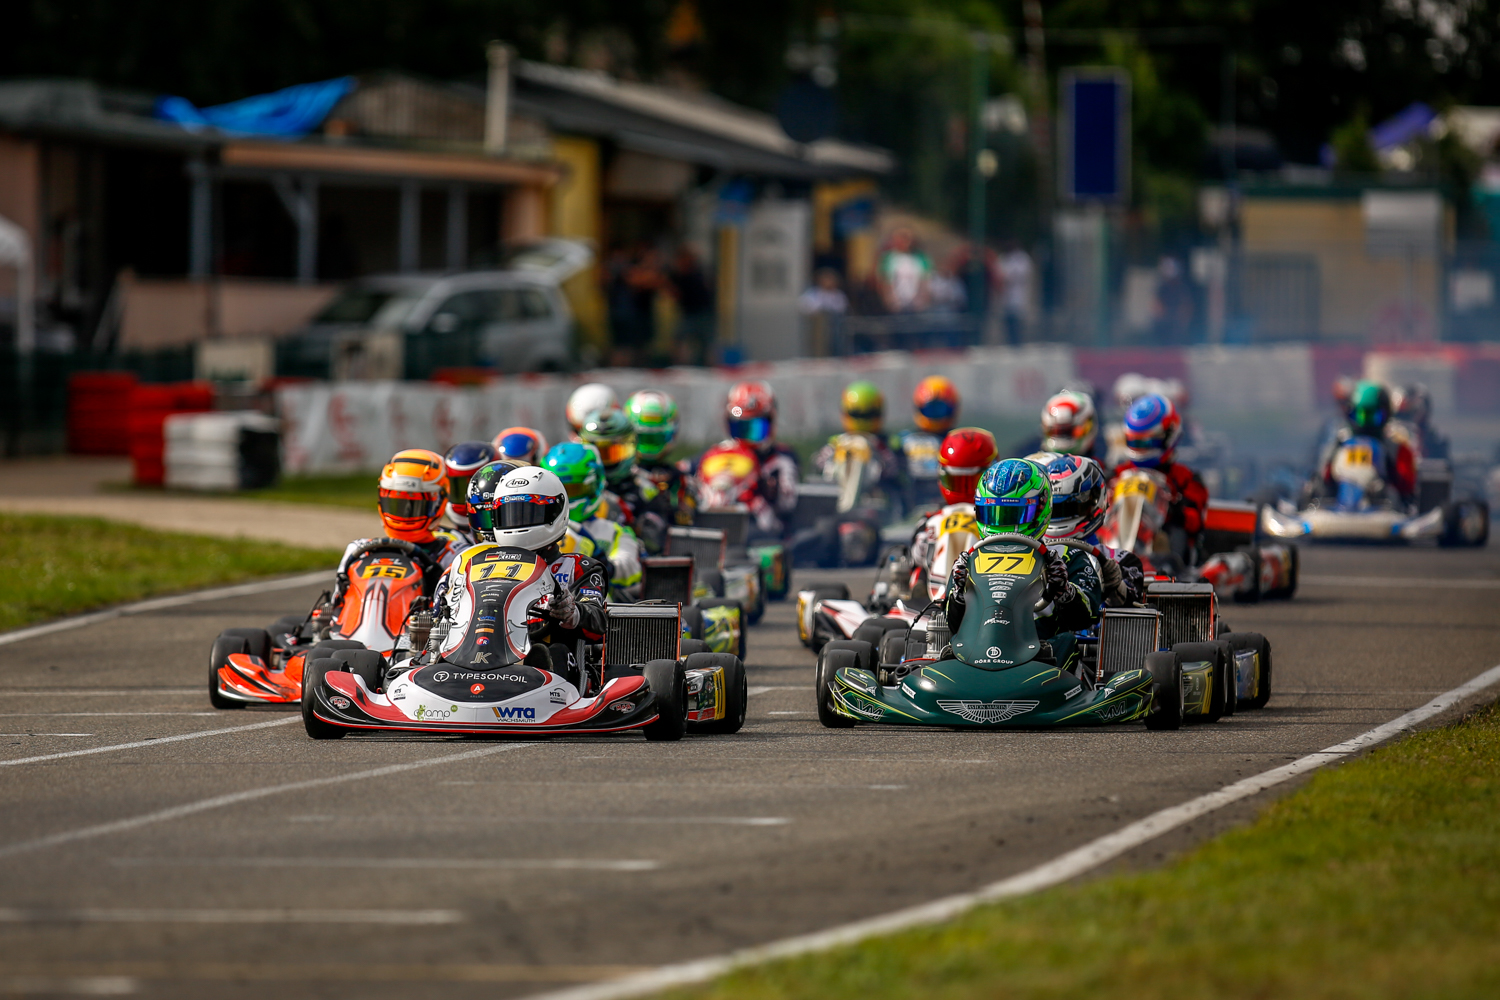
{"x":830,"y":592}
{"x":668,"y":683}
{"x":756,"y":611}
{"x":1253,"y":595}
{"x":1232,"y":691}
{"x":1199,"y":652}
{"x":1290,"y":590}
{"x":736,"y":695}
{"x":366,"y":664}
{"x":864,"y":652}
{"x":257,"y":641}
{"x":690,"y":647}
{"x":830,"y":661}
{"x":1166,"y":691}
{"x":330,"y":646}
{"x":312,"y":676}
{"x":1254,"y":641}
{"x":892,"y":648}
{"x":224,"y":646}
{"x":714,"y":581}
{"x":873,"y":630}
{"x":692,"y":617}
{"x":287,"y":624}
{"x":1466,"y":524}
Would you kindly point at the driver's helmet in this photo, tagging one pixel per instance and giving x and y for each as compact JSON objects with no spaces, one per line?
{"x":578,"y":468}
{"x":411,"y":494}
{"x":587,"y":399}
{"x":613,"y":436}
{"x":1014,"y":497}
{"x":1369,"y":408}
{"x":750,"y":413}
{"x":863,"y":407}
{"x":1079,"y":494}
{"x":962,"y":456}
{"x":936,"y":404}
{"x":1412,"y":403}
{"x":525,"y":507}
{"x":461,"y":462}
{"x":1152,"y":428}
{"x":521,"y":444}
{"x":653,"y":414}
{"x":1069,"y":424}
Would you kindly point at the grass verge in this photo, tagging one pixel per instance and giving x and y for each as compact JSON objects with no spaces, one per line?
{"x":352,"y":489}
{"x":1380,"y":878}
{"x":54,"y":566}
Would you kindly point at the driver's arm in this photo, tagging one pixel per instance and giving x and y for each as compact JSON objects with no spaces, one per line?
{"x":954,"y":602}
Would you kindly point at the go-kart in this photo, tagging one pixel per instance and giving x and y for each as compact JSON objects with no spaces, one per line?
{"x":900,"y":578}
{"x":851,"y":534}
{"x":728,"y":480}
{"x":1158,"y":664}
{"x":1360,"y":506}
{"x":385,"y":579}
{"x":714,"y":576}
{"x":1232,"y":553}
{"x":718,"y":622}
{"x":491,"y":679}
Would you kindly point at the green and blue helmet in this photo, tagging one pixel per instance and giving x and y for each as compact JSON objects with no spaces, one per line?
{"x":582,"y":475}
{"x":1369,"y":407}
{"x":654,"y":415}
{"x":613,"y":435}
{"x":1014,"y":496}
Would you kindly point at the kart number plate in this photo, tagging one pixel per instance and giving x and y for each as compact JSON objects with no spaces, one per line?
{"x":504,"y":570}
{"x":1006,"y":563}
{"x":957,"y":521}
{"x":392,"y":571}
{"x":1142,"y":486}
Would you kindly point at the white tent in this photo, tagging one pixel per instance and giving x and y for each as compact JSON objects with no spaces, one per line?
{"x":15,"y":251}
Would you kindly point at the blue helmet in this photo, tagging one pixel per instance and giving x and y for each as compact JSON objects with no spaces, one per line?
{"x":461,"y":462}
{"x":1014,"y":497}
{"x":1152,"y":428}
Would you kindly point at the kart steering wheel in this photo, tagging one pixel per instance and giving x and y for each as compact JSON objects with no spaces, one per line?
{"x":1011,"y":538}
{"x":1082,"y":546}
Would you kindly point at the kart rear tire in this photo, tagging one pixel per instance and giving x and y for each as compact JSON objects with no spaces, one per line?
{"x":1241,"y":641}
{"x":736,"y":696}
{"x":257,"y":641}
{"x":366,"y":664}
{"x":1206,"y":652}
{"x":714,"y":581}
{"x":892,"y":649}
{"x":690,"y":647}
{"x":287,"y":624}
{"x":1232,"y":701}
{"x":668,"y":683}
{"x":692,"y":617}
{"x":831,"y":592}
{"x":864,"y":652}
{"x":1166,"y":691}
{"x":830,"y":661}
{"x":224,"y":646}
{"x":312,"y":676}
{"x":874,"y":630}
{"x":724,"y":602}
{"x":1461,"y":531}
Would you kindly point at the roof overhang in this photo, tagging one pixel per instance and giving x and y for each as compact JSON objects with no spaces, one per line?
{"x":367,"y":162}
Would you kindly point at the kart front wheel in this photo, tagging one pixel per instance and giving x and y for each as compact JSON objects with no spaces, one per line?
{"x":312,"y":679}
{"x":1218,"y":694}
{"x":830,"y":661}
{"x":224,"y":647}
{"x":736,"y":693}
{"x":1256,"y":643}
{"x":1166,"y":691}
{"x":668,"y":683}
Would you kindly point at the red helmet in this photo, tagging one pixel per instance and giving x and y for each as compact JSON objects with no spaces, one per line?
{"x":751,"y":413}
{"x":963,"y":455}
{"x":936,"y":404}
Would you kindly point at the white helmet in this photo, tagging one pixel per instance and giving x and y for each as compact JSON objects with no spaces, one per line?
{"x":527,"y":509}
{"x":1069,"y":424}
{"x":588,"y":398}
{"x":1079,"y":496}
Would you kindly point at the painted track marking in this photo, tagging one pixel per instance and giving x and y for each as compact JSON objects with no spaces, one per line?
{"x":162,"y":603}
{"x":151,"y":743}
{"x":235,"y":798}
{"x":13,"y":915}
{"x":464,"y":864}
{"x":1061,"y":869}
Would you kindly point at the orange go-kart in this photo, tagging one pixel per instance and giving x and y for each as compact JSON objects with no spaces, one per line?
{"x":384,"y":581}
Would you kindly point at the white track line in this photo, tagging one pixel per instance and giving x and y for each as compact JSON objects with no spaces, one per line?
{"x":463,"y":864}
{"x":151,"y":743}
{"x":1402,"y":582}
{"x":270,"y":916}
{"x":235,"y":798}
{"x":162,"y":603}
{"x":1044,"y":876}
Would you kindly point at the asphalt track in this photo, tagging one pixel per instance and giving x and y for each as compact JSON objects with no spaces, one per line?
{"x":243,"y":860}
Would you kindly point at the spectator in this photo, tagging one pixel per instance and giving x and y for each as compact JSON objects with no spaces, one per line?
{"x":695,"y":301}
{"x":823,"y":304}
{"x":904,"y":275}
{"x":1014,"y":271}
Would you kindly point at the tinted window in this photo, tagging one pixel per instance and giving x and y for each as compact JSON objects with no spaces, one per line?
{"x":534,"y":304}
{"x":370,"y":306}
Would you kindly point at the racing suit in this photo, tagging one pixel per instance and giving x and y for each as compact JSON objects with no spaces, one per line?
{"x":777,"y":474}
{"x":918,"y":455}
{"x":1073,"y":593}
{"x":671,"y":480}
{"x":1398,"y":463}
{"x":616,"y":547}
{"x":647,"y":509}
{"x":1188,"y":509}
{"x":924,"y":542}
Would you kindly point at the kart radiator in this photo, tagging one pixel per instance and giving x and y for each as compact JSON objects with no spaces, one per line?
{"x":1187,"y":611}
{"x":705,"y":546}
{"x":639,"y":633}
{"x":1126,"y":637}
{"x":667,"y":578}
{"x":733,"y":521}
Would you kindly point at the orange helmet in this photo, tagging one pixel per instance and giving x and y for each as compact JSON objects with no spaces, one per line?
{"x":936,"y":404}
{"x":411,"y":494}
{"x":963,"y":455}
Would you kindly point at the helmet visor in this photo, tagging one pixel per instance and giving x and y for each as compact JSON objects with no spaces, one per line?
{"x":935,"y":409}
{"x":1151,"y":441}
{"x":653,"y":442}
{"x":519,"y":510}
{"x":410,"y":505}
{"x":754,"y":429}
{"x":578,"y":491}
{"x":1081,"y":506}
{"x":458,"y":487}
{"x":1004,"y":515}
{"x":615,"y":452}
{"x":961,"y":482}
{"x":1368,"y":416}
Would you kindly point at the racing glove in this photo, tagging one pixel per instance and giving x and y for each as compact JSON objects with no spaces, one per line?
{"x":1133,"y":577}
{"x":1113,"y":578}
{"x":1056,"y":589}
{"x":958,"y":577}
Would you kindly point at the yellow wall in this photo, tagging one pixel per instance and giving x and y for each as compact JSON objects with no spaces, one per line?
{"x":1359,"y":295}
{"x":575,"y":212}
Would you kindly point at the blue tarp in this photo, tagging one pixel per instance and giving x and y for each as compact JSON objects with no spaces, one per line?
{"x":287,"y":113}
{"x":1412,"y":122}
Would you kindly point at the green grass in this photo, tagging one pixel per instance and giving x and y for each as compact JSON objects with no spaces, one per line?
{"x":54,"y":566}
{"x":1381,"y":878}
{"x":352,"y":489}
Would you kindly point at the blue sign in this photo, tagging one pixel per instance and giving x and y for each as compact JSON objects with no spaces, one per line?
{"x":1095,"y":160}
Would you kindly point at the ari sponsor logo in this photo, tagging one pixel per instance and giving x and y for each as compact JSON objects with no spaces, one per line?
{"x":339,"y":702}
{"x":476,"y":688}
{"x":509,"y":713}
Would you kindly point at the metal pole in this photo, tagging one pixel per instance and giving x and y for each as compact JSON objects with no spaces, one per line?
{"x":200,"y":219}
{"x":458,"y":230}
{"x":407,"y":244}
{"x":980,"y":83}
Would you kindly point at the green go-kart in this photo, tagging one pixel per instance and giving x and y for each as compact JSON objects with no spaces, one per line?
{"x":994,"y":671}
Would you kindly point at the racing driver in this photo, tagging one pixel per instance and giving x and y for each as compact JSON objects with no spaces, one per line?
{"x":750,"y":413}
{"x":964,"y":454}
{"x":1152,"y":427}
